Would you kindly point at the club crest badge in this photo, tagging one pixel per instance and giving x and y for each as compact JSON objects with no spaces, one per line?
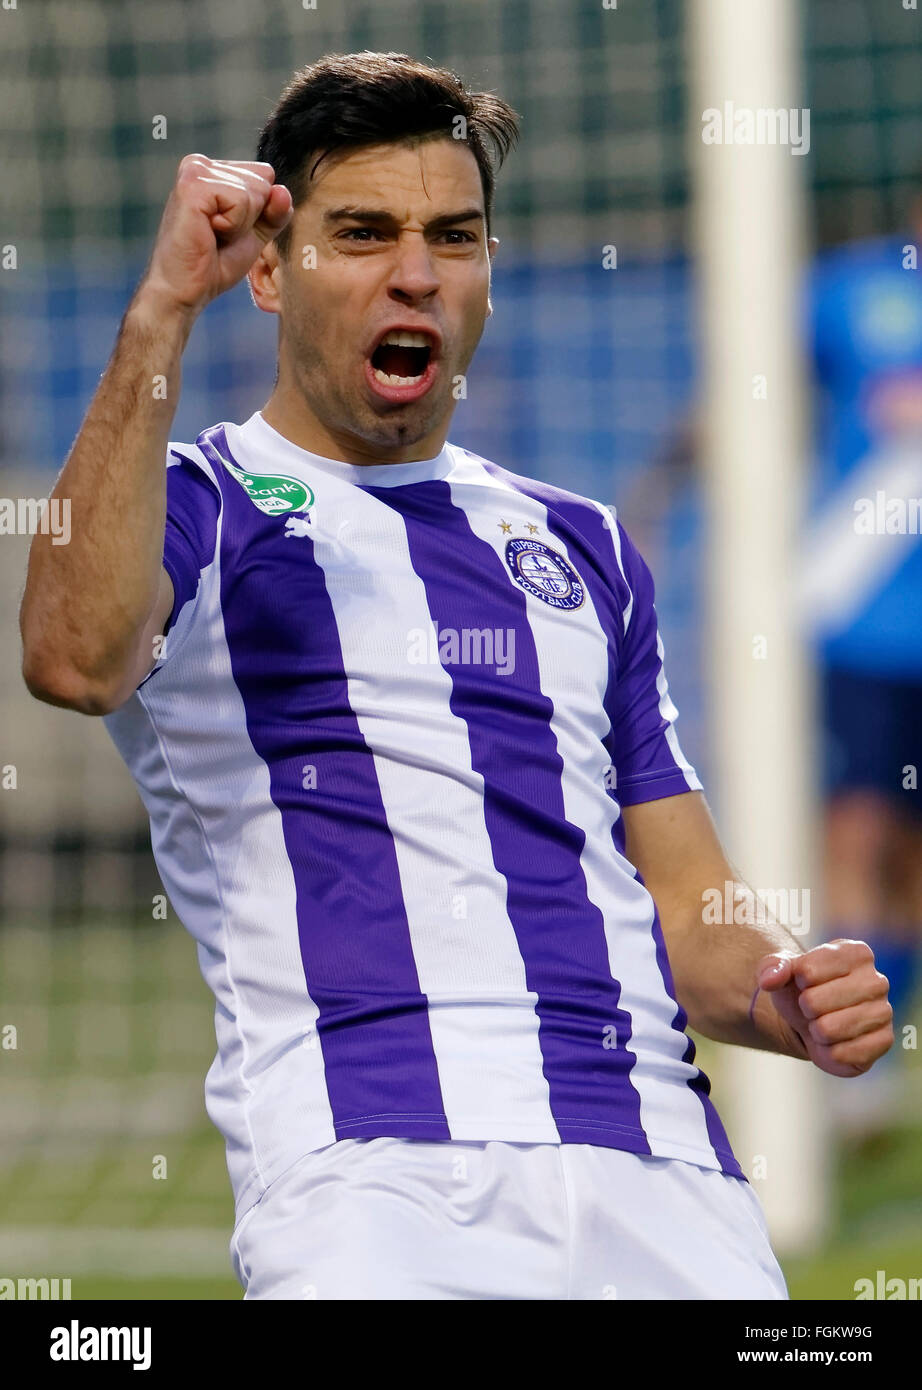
{"x":544,"y":573}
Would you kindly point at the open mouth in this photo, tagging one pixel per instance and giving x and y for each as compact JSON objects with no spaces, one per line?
{"x":401,"y":358}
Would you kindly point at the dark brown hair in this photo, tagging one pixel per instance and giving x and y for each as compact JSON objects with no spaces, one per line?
{"x":347,"y":100}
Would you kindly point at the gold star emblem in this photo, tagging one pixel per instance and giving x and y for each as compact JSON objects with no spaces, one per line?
{"x":506,"y":528}
{"x":532,"y":529}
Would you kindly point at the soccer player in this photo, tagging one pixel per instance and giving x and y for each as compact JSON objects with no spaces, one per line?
{"x":410,"y":757}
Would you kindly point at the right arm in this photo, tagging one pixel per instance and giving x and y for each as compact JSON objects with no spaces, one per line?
{"x":93,"y":609}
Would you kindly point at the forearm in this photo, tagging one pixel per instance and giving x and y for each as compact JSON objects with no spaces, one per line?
{"x":86,"y":601}
{"x":714,"y":969}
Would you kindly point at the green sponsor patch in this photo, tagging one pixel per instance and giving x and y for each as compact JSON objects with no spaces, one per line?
{"x":273,"y":492}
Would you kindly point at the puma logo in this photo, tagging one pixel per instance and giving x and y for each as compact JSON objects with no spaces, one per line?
{"x":297,"y":526}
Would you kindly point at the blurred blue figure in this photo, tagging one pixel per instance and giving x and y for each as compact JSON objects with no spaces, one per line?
{"x":865,"y":560}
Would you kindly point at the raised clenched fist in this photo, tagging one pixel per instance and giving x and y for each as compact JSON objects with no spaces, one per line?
{"x":219,"y":215}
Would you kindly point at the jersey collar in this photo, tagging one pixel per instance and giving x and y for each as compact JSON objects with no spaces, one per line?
{"x":264,"y":449}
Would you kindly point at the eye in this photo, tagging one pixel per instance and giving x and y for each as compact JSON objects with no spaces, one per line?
{"x":359,"y":232}
{"x":465,"y":236}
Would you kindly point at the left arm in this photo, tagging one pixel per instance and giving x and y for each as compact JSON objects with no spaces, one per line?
{"x":828,"y":1004}
{"x":750,"y":984}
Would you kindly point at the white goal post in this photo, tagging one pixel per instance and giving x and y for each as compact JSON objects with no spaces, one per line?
{"x":750,"y":246}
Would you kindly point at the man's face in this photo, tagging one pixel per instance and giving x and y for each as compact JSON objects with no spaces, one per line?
{"x":374,"y":337}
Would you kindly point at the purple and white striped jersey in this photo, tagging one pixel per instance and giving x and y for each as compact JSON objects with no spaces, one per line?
{"x":384,"y":752}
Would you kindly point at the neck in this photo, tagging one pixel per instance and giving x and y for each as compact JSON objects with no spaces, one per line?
{"x":289,"y":413}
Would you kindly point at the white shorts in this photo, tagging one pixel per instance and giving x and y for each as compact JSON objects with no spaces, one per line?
{"x":411,"y":1219}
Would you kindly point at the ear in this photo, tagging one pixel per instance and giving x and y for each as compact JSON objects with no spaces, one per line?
{"x":264,"y":276}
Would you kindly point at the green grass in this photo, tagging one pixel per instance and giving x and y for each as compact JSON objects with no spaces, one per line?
{"x":879,"y":1219}
{"x":114,"y":1187}
{"x":161,"y":1290}
{"x":834,"y":1273}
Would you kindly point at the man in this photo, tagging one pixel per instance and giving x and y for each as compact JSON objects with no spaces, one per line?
{"x":863,"y":588}
{"x":410,"y":757}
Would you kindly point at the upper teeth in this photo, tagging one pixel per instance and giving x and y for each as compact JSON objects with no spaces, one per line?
{"x":401,"y":338}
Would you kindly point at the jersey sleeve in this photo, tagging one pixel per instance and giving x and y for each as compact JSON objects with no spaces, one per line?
{"x":646,"y":756}
{"x":189,"y":541}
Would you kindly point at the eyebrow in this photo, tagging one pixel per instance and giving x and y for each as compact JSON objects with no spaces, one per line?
{"x":382,"y":217}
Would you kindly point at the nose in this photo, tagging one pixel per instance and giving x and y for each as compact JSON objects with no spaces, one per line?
{"x":413,"y":278}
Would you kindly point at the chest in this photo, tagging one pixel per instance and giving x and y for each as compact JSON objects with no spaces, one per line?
{"x":415,"y":595}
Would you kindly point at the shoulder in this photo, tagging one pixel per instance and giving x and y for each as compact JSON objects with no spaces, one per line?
{"x":192,"y":462}
{"x":194,"y":499}
{"x":193,"y":479}
{"x":593,"y":527}
{"x":559,"y":500}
